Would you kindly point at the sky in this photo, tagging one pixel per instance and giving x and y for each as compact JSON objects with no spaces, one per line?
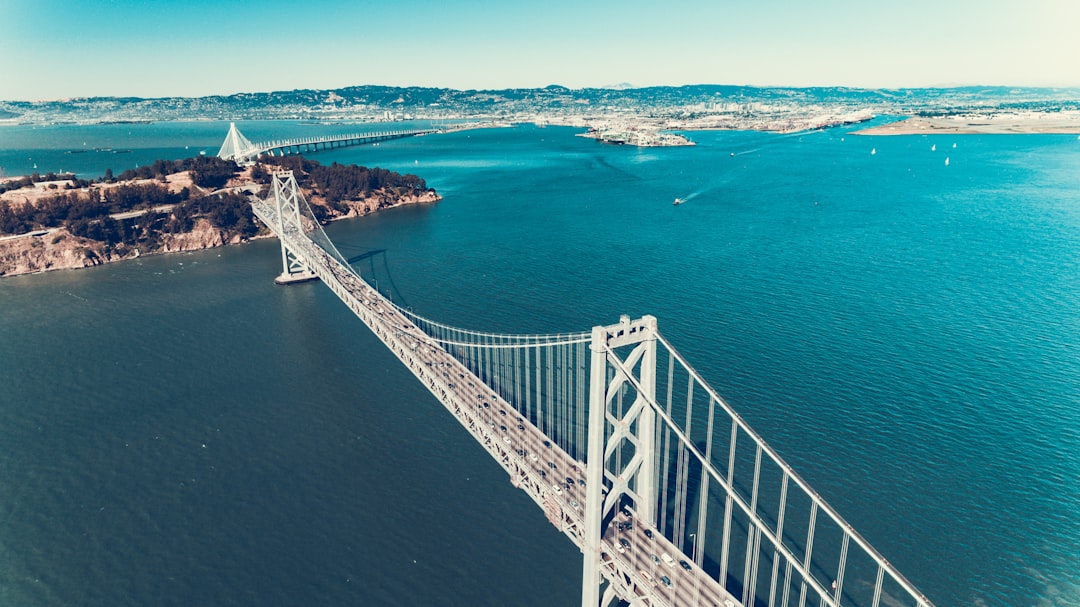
{"x":56,"y":49}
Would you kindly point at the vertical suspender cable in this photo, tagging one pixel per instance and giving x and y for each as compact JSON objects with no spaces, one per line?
{"x":725,"y":550}
{"x":703,"y":492}
{"x":665,"y":465}
{"x":580,"y":382}
{"x":528,"y":394}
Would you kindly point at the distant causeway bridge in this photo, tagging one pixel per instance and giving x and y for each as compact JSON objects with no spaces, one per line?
{"x":671,"y":497}
{"x":239,"y":149}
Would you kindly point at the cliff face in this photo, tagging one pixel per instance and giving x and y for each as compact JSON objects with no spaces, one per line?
{"x":202,"y":236}
{"x":384,"y":200}
{"x":56,"y":250}
{"x":60,"y":250}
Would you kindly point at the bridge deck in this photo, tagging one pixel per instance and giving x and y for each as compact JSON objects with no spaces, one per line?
{"x":312,"y":144}
{"x":540,"y":468}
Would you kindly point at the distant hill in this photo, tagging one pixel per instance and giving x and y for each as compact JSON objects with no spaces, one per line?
{"x":372,"y":102}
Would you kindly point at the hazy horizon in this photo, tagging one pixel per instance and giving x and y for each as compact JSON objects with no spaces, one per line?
{"x":159,"y":48}
{"x":619,"y":87}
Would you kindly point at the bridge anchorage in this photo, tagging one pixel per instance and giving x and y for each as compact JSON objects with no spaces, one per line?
{"x":241,"y":150}
{"x":669,"y":494}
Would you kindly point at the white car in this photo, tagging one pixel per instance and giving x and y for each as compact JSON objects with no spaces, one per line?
{"x":670,"y":562}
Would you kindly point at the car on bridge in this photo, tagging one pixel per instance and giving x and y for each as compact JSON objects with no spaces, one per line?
{"x":670,"y":562}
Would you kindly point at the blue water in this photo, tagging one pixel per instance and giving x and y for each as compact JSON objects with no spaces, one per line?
{"x":904,"y":332}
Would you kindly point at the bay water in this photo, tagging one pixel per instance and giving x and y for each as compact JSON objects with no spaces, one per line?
{"x":177,"y":430}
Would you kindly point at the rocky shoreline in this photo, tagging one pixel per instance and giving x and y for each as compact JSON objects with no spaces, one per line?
{"x":59,"y":249}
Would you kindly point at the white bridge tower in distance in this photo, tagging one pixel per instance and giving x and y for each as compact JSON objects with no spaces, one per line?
{"x":237,"y":147}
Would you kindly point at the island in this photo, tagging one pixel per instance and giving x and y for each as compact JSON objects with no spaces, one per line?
{"x":52,"y":222}
{"x":633,"y":133}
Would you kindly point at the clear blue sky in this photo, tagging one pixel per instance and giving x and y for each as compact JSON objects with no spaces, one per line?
{"x":149,"y":48}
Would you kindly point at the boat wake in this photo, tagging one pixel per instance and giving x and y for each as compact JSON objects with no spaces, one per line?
{"x":687,"y":198}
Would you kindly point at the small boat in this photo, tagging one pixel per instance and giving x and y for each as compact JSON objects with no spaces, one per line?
{"x":946,"y":161}
{"x":933,"y":148}
{"x":873,"y":151}
{"x":678,"y":201}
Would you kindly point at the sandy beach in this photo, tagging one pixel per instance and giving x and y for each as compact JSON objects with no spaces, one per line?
{"x":1065,"y":123}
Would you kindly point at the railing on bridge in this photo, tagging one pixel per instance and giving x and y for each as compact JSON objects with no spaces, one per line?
{"x":663,"y":463}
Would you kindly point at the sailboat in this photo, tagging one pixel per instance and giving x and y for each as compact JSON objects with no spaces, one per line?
{"x":933,"y":148}
{"x":946,"y":161}
{"x":873,"y":151}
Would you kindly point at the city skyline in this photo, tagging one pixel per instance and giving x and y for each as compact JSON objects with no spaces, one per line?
{"x":54,"y":49}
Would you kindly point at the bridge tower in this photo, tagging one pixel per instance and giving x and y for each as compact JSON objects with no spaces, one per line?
{"x":621,"y":439}
{"x":287,"y":199}
{"x":236,"y":147}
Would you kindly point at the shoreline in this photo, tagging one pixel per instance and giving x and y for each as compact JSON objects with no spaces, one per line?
{"x":1016,"y":124}
{"x":78,"y":253}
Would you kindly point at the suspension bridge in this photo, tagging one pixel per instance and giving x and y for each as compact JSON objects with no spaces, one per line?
{"x":239,"y":149}
{"x":668,"y":493}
